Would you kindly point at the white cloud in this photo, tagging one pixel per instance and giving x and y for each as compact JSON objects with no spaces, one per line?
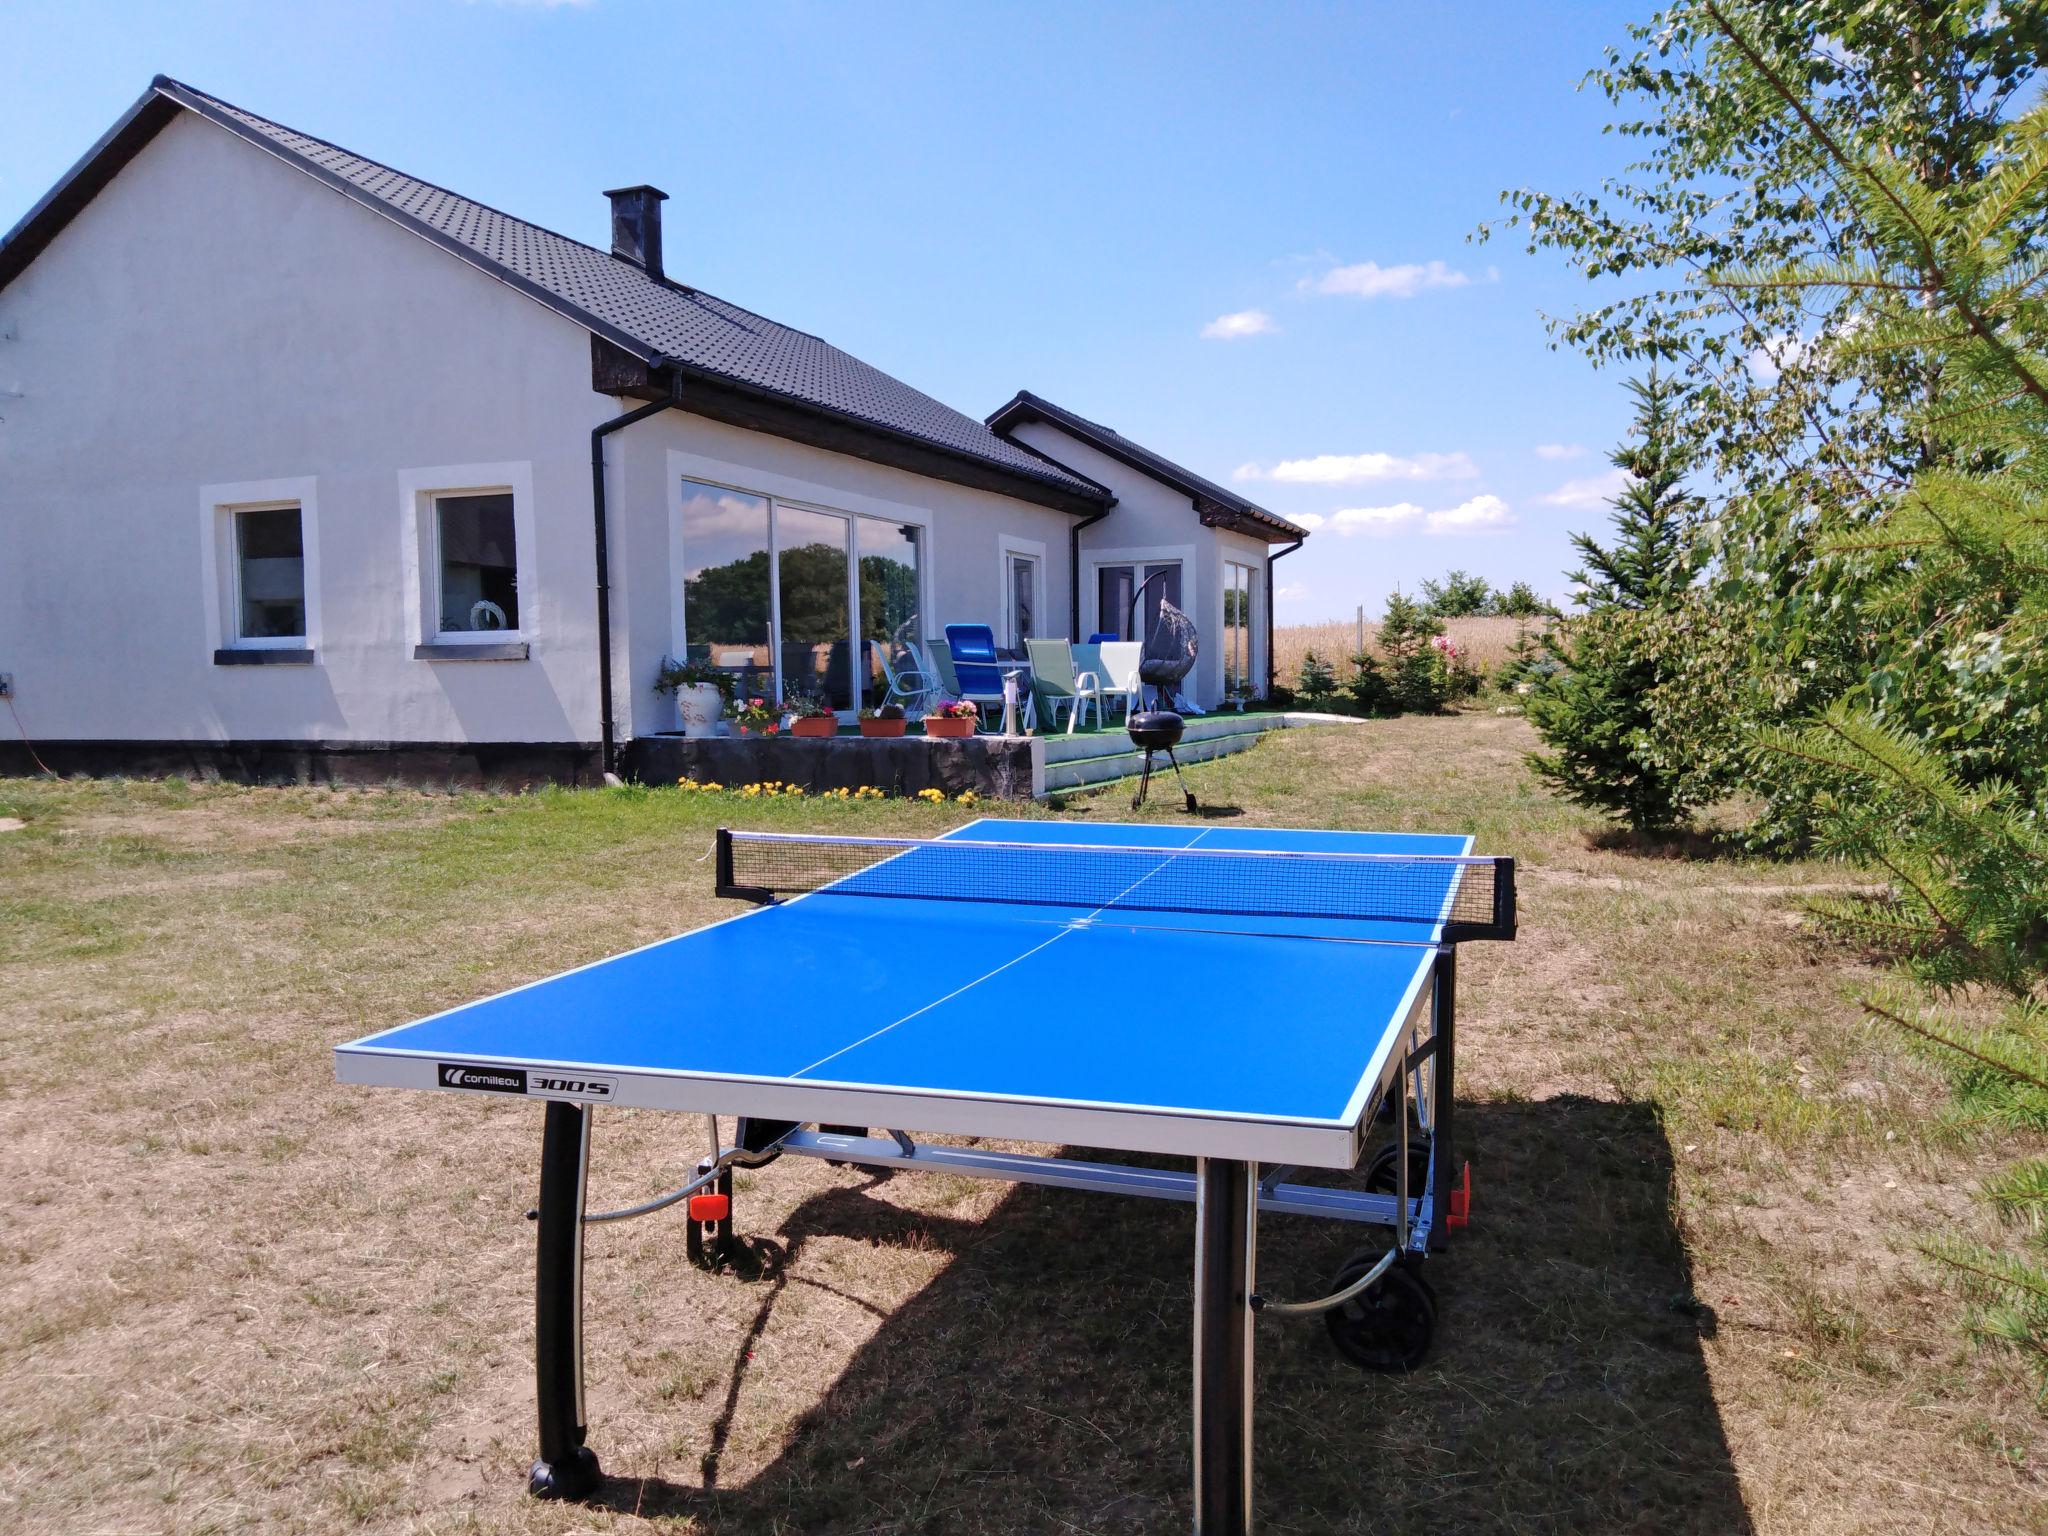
{"x":1589,"y":492}
{"x":1370,"y":280}
{"x":1291,"y":591}
{"x":1309,"y":520}
{"x":1392,"y":519}
{"x":1559,"y":450}
{"x":1358,"y":468}
{"x":1482,"y":514}
{"x":1246,"y":322}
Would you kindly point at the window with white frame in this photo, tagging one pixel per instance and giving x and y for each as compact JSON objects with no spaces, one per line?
{"x":1023,"y":592}
{"x":269,"y":575}
{"x":261,"y":545}
{"x":476,"y":550}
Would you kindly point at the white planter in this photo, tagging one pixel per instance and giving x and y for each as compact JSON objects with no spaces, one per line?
{"x":701,"y":707}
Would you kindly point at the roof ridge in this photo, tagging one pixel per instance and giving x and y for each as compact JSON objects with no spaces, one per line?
{"x":664,"y":323}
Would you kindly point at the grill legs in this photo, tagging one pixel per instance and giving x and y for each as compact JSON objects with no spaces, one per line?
{"x":1226,"y":1245}
{"x":567,"y":1469}
{"x":1145,"y":779}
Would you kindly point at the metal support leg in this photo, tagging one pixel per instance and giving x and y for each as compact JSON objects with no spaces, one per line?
{"x":1226,"y":1246}
{"x":1443,"y":1102}
{"x":567,"y":1469}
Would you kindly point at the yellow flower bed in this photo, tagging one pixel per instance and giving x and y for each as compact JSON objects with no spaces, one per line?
{"x":768,"y":789}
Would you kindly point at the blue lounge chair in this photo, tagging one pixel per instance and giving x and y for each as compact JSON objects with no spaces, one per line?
{"x":977,"y":669}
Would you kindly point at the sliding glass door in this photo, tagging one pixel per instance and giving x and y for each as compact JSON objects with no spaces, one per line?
{"x":776,"y":593}
{"x":888,"y":581}
{"x":1237,"y":629}
{"x":813,"y":589}
{"x":1116,"y":588}
{"x":727,"y":598}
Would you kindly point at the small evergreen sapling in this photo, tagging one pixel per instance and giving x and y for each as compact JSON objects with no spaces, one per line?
{"x":1595,"y":710}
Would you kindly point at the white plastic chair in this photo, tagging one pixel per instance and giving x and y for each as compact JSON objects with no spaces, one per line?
{"x":1119,"y":672}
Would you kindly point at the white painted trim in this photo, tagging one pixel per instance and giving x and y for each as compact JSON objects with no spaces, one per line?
{"x":1008,"y":544}
{"x":220,"y":581}
{"x":1092,"y":561}
{"x":419,"y":547}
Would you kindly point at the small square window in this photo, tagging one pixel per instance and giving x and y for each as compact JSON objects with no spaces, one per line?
{"x":479,"y":563}
{"x":270,"y":574}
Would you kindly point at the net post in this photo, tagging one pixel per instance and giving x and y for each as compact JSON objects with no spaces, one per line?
{"x":1443,"y":1161}
{"x":1504,"y":897}
{"x":723,"y":861}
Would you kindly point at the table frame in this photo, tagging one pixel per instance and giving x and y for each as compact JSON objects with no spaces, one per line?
{"x":1228,"y":1195}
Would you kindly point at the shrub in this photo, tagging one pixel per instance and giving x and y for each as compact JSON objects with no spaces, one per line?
{"x":1316,"y":682}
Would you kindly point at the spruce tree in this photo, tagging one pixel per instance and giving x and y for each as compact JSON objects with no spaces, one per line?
{"x":1594,"y":710}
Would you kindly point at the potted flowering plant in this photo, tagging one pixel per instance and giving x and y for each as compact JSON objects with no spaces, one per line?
{"x":756,"y":717}
{"x":883,"y":720}
{"x":703,"y":693}
{"x":811,"y":716}
{"x":951,"y":717}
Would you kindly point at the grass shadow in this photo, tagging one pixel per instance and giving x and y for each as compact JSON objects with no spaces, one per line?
{"x":1042,"y":1382}
{"x":1698,"y":845}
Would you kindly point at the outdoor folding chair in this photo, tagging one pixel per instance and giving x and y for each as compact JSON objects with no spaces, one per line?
{"x":913,"y":685}
{"x":1116,"y":665}
{"x":978,"y":670}
{"x":1057,"y":685}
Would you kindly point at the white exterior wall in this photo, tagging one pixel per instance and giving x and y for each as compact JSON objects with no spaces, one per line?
{"x":1155,"y":522}
{"x":966,"y":532}
{"x":216,"y":318}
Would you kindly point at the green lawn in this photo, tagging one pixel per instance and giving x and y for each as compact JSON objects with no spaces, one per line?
{"x":235,"y":1296}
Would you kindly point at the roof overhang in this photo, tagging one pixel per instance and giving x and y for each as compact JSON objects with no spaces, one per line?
{"x":716,"y":397}
{"x":1241,"y":517}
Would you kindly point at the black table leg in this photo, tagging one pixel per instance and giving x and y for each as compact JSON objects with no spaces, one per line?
{"x":567,"y":1469}
{"x":1442,"y":1097}
{"x":1226,"y":1242}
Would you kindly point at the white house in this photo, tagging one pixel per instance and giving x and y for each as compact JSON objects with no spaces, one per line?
{"x":311,"y":468}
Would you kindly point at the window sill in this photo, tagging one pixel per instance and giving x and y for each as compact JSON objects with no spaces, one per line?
{"x":493,"y":650}
{"x":263,"y":656}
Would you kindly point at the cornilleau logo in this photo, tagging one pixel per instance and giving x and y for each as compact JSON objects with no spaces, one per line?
{"x":490,"y":1079}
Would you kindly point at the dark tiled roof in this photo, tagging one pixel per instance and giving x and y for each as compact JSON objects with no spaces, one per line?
{"x":660,"y":322}
{"x":1025,"y":406}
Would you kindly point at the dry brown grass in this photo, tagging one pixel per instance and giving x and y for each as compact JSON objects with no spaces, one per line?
{"x":1486,"y":641}
{"x":237,"y":1297}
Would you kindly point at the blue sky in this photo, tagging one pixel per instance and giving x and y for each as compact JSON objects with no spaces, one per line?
{"x":1236,"y":234}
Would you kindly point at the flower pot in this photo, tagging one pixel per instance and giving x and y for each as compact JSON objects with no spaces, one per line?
{"x":814,"y":725}
{"x":883,"y":727}
{"x":700,"y":705}
{"x":949,"y":725}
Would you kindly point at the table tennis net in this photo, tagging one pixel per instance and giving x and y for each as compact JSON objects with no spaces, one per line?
{"x":1466,"y":897}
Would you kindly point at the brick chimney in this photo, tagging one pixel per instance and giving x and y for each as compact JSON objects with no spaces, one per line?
{"x":636,"y":226}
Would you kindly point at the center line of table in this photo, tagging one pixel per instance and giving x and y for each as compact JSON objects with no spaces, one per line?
{"x":1013,"y":960}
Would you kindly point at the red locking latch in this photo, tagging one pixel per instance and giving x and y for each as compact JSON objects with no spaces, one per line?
{"x":1460,"y":1213}
{"x":718,"y":1207}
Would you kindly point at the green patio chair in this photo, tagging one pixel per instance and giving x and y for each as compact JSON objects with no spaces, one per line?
{"x":1057,"y":686}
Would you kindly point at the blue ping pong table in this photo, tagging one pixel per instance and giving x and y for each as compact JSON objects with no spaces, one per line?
{"x":1255,"y":999}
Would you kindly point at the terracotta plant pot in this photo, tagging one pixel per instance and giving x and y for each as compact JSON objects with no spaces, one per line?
{"x":882,"y":727}
{"x":814,"y":725}
{"x":949,"y":725}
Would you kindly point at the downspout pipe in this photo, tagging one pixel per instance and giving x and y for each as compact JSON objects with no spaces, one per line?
{"x":1272,"y":669}
{"x":1074,"y":570}
{"x":609,"y":751}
